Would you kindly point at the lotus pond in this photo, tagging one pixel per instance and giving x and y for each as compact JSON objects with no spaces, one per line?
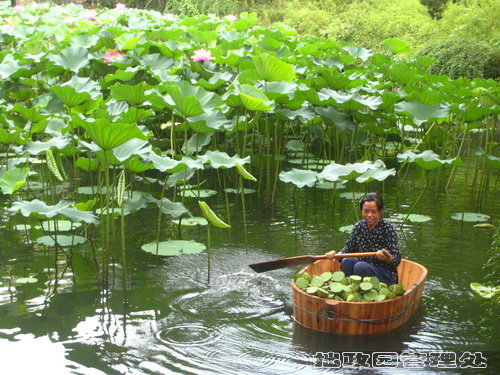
{"x":147,"y":160}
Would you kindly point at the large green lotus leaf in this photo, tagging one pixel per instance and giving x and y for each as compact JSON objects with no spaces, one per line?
{"x":35,"y":148}
{"x":352,"y":196}
{"x":219,"y":79}
{"x":349,"y":102}
{"x":253,"y":99}
{"x":492,"y":160}
{"x":87,"y":164}
{"x":193,"y":221}
{"x":134,"y":204}
{"x":41,"y":210}
{"x":12,"y":180}
{"x":421,"y":113}
{"x":132,"y":147}
{"x":470,"y":217}
{"x":60,"y":226}
{"x":414,"y":218}
{"x":163,"y":163}
{"x":108,"y":135}
{"x":340,"y":120}
{"x":334,"y":171}
{"x":396,"y":46}
{"x":295,"y":145}
{"x":196,"y":193}
{"x":135,"y":95}
{"x":84,"y":40}
{"x":428,"y":159}
{"x":273,"y":69}
{"x":203,"y":37}
{"x":174,"y":247}
{"x":193,"y":100}
{"x":157,"y":62}
{"x":136,"y":165}
{"x":280,"y":91}
{"x":175,"y":209}
{"x":474,"y":113}
{"x":399,"y":72}
{"x":122,"y":75}
{"x":375,"y":175}
{"x":61,"y":240}
{"x":12,"y":136}
{"x":299,"y":177}
{"x":71,"y":58}
{"x":30,"y":114}
{"x":485,"y":292}
{"x":358,"y":52}
{"x":210,"y":120}
{"x":196,"y":143}
{"x":220,"y":159}
{"x":77,"y":91}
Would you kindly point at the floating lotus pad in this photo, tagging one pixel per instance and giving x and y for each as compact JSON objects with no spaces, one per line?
{"x":470,"y":217}
{"x":63,"y":240}
{"x":346,"y":228}
{"x":485,"y":292}
{"x":198,"y":193}
{"x":26,"y":280}
{"x":194,"y":221}
{"x":174,"y":247}
{"x":415,"y":218}
{"x":238,"y":191}
{"x":62,"y":226}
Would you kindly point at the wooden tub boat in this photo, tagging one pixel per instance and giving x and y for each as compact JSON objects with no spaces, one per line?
{"x":359,"y":317}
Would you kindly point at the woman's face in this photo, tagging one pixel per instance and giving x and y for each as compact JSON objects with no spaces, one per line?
{"x":371,"y":214}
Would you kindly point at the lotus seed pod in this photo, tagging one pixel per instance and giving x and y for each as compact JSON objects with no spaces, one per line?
{"x":366,"y":286}
{"x":370,"y":296}
{"x":351,"y":298}
{"x":316,"y":281}
{"x":337,"y":276}
{"x":344,"y":281}
{"x":355,"y":287}
{"x":384,"y":291}
{"x":383,"y":285}
{"x":355,"y":279}
{"x":326,"y":276}
{"x":358,"y":296}
{"x":380,"y":297}
{"x":302,"y":283}
{"x":336,"y":288}
{"x":312,"y":290}
{"x":322,"y":293}
{"x":337,"y":298}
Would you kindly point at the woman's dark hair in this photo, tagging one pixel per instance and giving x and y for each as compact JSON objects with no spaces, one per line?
{"x":372,"y":197}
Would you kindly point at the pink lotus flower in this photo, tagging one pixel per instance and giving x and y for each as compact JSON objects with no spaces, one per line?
{"x":169,"y":16}
{"x":111,"y":55}
{"x":231,"y":18}
{"x":90,"y":15}
{"x":120,"y":6}
{"x":18,"y":9}
{"x":202,"y":55}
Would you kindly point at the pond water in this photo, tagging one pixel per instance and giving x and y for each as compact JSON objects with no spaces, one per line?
{"x":166,"y":319}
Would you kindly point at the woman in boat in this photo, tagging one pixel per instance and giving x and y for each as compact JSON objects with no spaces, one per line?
{"x":373,"y":233}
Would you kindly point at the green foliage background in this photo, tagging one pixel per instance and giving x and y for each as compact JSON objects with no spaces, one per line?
{"x":464,"y":40}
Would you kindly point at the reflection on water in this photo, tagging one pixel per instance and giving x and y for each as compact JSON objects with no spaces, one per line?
{"x":166,"y":319}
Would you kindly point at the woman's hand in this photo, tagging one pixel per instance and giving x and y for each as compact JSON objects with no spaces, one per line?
{"x":330,"y":255}
{"x":384,"y":255}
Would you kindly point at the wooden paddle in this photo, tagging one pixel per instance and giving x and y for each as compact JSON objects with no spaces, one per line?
{"x":294,"y":261}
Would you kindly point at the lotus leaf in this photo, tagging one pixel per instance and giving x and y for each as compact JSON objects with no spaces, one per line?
{"x":61,"y":240}
{"x":470,"y":217}
{"x":299,"y":178}
{"x":26,"y":280}
{"x":415,"y":218}
{"x":174,"y":247}
{"x":194,"y":221}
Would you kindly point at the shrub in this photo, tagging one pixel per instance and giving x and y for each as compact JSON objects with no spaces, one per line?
{"x":461,"y":58}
